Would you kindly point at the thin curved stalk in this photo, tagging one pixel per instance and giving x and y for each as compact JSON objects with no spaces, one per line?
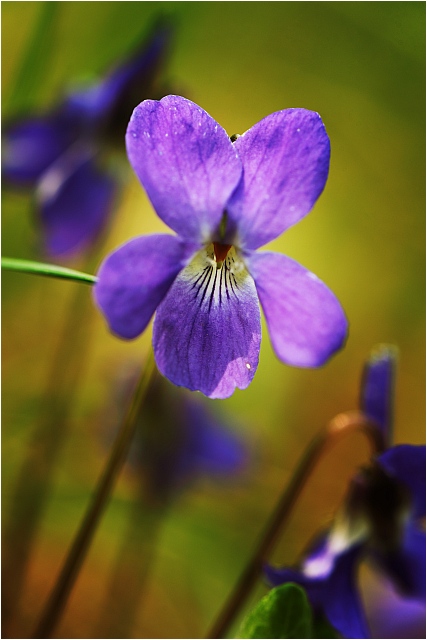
{"x":83,"y":539}
{"x":343,"y":423}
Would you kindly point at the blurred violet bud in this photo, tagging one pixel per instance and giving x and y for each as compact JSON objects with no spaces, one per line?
{"x":178,"y":439}
{"x":62,"y":154}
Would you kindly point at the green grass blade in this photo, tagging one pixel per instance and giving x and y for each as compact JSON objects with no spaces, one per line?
{"x":43,"y":269}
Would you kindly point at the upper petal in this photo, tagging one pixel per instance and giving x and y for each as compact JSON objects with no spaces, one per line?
{"x":75,"y":199}
{"x":207,"y":331}
{"x":377,"y":397}
{"x":30,"y":146}
{"x":305,"y":320}
{"x":134,"y":279}
{"x":285,"y":160}
{"x":407,"y":463}
{"x":186,"y":163}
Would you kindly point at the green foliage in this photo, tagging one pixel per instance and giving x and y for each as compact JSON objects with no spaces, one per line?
{"x":285,"y":613}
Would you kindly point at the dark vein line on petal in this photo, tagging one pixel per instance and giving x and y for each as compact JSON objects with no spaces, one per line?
{"x":206,"y":287}
{"x":231,"y":284}
{"x":206,"y":276}
{"x":200,"y":276}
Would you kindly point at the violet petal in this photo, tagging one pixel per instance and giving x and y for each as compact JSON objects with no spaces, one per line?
{"x":305,"y":320}
{"x":30,"y":146}
{"x":377,"y":397}
{"x":285,"y":160}
{"x":186,"y":163}
{"x":74,"y":199}
{"x":207,"y":331}
{"x":134,"y":279}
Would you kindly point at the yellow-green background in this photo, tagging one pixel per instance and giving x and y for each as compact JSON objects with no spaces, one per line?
{"x":361,"y":66}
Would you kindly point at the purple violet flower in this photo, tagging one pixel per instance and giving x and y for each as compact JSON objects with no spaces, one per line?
{"x":59,"y":153}
{"x":224,"y":199}
{"x":177,"y":439}
{"x":380,"y":520}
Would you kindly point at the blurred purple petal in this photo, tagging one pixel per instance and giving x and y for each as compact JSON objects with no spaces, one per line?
{"x":211,"y":448}
{"x":393,"y":616}
{"x":112,"y":100}
{"x":407,"y":464}
{"x":185,"y":162}
{"x":305,"y":320}
{"x":134,"y":279}
{"x":406,"y":565}
{"x":75,"y":200}
{"x":30,"y":146}
{"x":179,"y":439}
{"x":334,"y":593}
{"x":377,"y":396}
{"x":207,"y":331}
{"x":285,"y":159}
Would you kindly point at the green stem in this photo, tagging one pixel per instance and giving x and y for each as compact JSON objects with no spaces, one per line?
{"x":341,"y":424}
{"x":43,"y":269}
{"x":83,"y":539}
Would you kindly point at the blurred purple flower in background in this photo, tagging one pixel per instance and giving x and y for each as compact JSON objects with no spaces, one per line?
{"x":177,"y":440}
{"x":380,"y":520}
{"x":60,"y":153}
{"x":224,"y":199}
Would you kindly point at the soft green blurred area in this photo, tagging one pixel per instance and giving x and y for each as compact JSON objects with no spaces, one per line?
{"x":361,"y":65}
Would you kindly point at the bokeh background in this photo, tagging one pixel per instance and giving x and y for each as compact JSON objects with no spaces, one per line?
{"x":361,"y":65}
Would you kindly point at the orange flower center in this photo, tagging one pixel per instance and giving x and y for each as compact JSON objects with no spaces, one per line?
{"x":221,"y":251}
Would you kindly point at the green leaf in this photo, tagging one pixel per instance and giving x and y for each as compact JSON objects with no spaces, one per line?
{"x":283,"y":613}
{"x":43,"y":269}
{"x":32,"y":69}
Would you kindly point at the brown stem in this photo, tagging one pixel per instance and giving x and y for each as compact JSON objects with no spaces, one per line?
{"x":340,"y":425}
{"x":83,"y":539}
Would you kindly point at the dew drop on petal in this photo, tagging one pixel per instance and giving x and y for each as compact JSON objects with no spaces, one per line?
{"x":248,"y":366}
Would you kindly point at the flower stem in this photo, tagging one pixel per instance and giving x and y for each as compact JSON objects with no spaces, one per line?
{"x":43,"y":269}
{"x":83,"y":539}
{"x":343,"y":423}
